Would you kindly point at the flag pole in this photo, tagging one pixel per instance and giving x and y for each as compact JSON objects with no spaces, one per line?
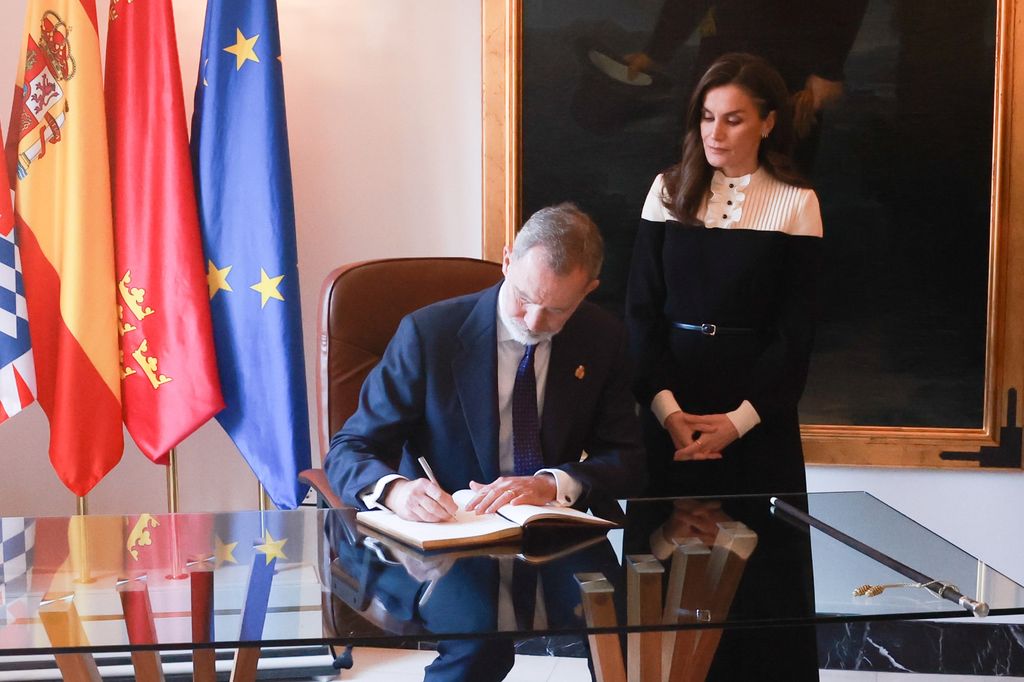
{"x":84,"y":577}
{"x":177,"y":570}
{"x":265,"y":503}
{"x":172,"y":481}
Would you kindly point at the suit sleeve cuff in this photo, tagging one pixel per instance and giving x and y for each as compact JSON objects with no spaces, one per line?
{"x":567,"y":488}
{"x":663,"y":405}
{"x":744,"y":418}
{"x":371,"y":497}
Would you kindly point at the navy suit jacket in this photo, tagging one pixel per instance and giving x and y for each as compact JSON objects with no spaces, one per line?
{"x":435,"y":395}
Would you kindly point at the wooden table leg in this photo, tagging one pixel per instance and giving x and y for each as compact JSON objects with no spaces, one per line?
{"x":246,"y":661}
{"x":204,"y":665}
{"x":599,"y":612}
{"x":204,"y":661}
{"x":64,"y":628}
{"x":138,"y":620}
{"x":643,"y":607}
{"x":687,"y":586}
{"x":733,"y":546}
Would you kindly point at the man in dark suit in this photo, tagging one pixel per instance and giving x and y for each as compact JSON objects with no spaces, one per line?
{"x":520,"y":392}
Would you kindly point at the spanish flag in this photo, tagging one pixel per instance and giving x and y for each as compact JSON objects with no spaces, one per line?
{"x":57,"y":151}
{"x":170,"y":385}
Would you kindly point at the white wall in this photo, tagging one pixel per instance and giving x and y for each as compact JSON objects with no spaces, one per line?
{"x":384,"y":113}
{"x":383,"y":104}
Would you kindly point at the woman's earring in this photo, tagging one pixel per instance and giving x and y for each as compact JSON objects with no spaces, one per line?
{"x":764,"y":135}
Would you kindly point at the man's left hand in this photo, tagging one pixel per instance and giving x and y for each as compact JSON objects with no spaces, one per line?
{"x":491,"y":497}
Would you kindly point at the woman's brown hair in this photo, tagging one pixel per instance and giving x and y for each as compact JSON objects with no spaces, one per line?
{"x":687,"y":182}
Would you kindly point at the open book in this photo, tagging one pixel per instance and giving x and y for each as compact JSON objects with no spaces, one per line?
{"x":470,"y":528}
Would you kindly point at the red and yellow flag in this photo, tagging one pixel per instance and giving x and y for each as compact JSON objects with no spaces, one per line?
{"x":57,"y":151}
{"x":170,"y":385}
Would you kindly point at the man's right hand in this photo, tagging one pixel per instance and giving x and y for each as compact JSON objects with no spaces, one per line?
{"x":420,"y":500}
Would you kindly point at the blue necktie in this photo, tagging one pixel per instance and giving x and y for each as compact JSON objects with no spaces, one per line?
{"x":526,"y":453}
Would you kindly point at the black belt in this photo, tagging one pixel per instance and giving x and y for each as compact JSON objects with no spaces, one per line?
{"x":708,"y":329}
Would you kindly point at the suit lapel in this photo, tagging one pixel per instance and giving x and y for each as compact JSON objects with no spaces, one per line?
{"x":476,"y":377}
{"x":562,"y":392}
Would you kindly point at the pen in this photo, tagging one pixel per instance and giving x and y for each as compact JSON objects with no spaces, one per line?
{"x":430,"y":474}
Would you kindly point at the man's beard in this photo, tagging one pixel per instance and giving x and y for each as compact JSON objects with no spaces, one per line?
{"x":516,"y":329}
{"x":525,"y":336}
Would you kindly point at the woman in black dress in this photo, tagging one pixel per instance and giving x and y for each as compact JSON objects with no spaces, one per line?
{"x":720,"y":304}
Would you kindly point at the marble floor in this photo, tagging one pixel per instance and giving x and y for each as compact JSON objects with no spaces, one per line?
{"x":400,"y":665}
{"x":382,"y":665}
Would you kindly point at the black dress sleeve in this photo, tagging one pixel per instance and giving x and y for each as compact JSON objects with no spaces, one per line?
{"x":780,"y":374}
{"x":645,"y":317}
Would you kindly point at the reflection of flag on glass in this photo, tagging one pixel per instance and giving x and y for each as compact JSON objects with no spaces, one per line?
{"x":257,"y":592}
{"x":258,"y":547}
{"x":17,"y":377}
{"x":17,"y":547}
{"x":57,"y":144}
{"x":243,"y":184}
{"x":170,"y":385}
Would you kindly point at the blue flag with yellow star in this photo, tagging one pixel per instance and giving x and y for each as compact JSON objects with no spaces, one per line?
{"x":244,"y":191}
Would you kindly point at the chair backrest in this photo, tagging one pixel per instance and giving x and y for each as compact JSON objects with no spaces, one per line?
{"x":361,"y":305}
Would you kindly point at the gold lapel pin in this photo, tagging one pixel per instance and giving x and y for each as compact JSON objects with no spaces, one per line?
{"x":581,"y":372}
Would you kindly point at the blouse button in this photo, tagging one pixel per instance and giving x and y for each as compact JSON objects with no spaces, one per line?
{"x":731,"y":185}
{"x":724,"y":215}
{"x":729,"y":202}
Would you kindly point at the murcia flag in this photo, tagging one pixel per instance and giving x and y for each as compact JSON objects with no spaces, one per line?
{"x":58,"y":140}
{"x":244,"y":191}
{"x":17,"y":377}
{"x":169,"y":370}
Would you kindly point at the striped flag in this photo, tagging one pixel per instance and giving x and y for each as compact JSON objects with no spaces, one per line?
{"x":17,"y":376}
{"x":63,"y":218}
{"x":17,"y":547}
{"x":170,"y":385}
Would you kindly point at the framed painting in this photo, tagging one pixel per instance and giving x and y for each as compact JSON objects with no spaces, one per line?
{"x":918,"y":358}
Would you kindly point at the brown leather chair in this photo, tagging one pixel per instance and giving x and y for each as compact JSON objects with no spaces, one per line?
{"x":361,"y":305}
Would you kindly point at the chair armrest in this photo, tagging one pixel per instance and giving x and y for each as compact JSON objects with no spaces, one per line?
{"x":317,"y":479}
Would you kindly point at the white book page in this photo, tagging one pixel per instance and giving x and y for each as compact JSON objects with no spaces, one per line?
{"x":520,"y":514}
{"x":465,"y":525}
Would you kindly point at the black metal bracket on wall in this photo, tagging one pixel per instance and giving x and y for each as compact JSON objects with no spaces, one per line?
{"x":1008,"y":454}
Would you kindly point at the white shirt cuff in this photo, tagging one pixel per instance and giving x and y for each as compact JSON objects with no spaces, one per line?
{"x":567,"y":488}
{"x":661,"y":547}
{"x":744,"y":418}
{"x":372,"y":497}
{"x":663,"y":405}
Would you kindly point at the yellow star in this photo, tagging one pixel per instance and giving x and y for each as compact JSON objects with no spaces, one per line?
{"x":243,"y":49}
{"x":267,"y":286}
{"x":223,"y":552}
{"x":272,"y":548}
{"x":217,"y":278}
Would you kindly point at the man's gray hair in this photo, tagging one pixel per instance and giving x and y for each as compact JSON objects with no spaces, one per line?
{"x":569,"y":237}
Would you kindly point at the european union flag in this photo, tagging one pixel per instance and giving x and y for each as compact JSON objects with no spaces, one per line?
{"x":244,"y":191}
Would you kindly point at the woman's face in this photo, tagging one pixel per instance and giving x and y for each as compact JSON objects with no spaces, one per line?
{"x":731,"y":128}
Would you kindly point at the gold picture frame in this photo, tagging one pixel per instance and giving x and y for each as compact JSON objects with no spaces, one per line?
{"x":990,"y":446}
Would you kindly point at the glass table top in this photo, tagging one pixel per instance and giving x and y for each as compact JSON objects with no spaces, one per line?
{"x":312,"y":576}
